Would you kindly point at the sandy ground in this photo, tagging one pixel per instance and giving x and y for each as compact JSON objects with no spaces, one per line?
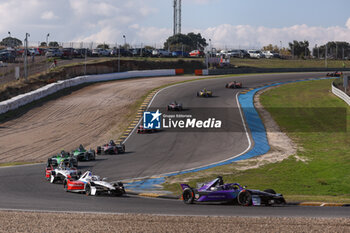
{"x":90,"y":116}
{"x":84,"y":222}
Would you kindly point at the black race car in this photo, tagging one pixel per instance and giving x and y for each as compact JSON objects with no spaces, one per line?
{"x":111,"y":148}
{"x":174,"y":106}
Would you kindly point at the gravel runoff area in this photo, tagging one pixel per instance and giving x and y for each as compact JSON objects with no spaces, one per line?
{"x":12,"y":221}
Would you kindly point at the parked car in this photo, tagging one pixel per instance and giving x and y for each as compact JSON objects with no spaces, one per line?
{"x":7,"y":56}
{"x":68,"y":53}
{"x":80,"y":53}
{"x":270,"y":54}
{"x":123,"y":52}
{"x":180,"y":54}
{"x":53,"y":52}
{"x":244,"y":54}
{"x":196,"y":53}
{"x":34,"y":51}
{"x":235,"y":53}
{"x":256,"y":54}
{"x":161,"y":53}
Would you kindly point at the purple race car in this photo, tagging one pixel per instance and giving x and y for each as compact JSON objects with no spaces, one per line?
{"x":217,"y":191}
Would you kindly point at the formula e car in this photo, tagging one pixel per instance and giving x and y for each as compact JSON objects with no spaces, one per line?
{"x":60,"y":173}
{"x":335,"y":74}
{"x":93,"y":185}
{"x":63,"y":156}
{"x":204,"y":93}
{"x":217,"y":191}
{"x":142,"y":130}
{"x":174,"y":106}
{"x":111,"y":148}
{"x":81,"y":154}
{"x":233,"y":84}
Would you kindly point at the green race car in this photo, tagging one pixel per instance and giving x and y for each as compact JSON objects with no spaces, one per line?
{"x":81,"y":154}
{"x":204,"y":93}
{"x":64,"y":157}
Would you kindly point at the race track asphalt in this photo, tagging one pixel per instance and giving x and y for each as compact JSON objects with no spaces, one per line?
{"x":24,"y":187}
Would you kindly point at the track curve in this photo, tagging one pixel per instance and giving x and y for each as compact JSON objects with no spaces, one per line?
{"x":24,"y":187}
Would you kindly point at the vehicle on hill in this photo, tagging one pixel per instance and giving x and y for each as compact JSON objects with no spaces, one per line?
{"x":93,"y":185}
{"x":234,"y":84}
{"x":217,"y":191}
{"x":111,"y":148}
{"x":204,"y":93}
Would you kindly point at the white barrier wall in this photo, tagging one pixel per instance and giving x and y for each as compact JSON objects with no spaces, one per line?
{"x":341,"y":94}
{"x":49,"y":89}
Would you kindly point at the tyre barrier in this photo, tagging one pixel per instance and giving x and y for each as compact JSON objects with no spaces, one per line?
{"x":49,"y":89}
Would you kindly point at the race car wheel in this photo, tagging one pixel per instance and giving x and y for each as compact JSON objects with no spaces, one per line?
{"x":244,"y":198}
{"x":188,"y":196}
{"x":98,"y":150}
{"x":65,"y":185}
{"x":226,"y":85}
{"x":52,"y":179}
{"x":270,"y":191}
{"x":87,"y":189}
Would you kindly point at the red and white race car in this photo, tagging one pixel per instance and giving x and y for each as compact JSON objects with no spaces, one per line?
{"x":93,"y":185}
{"x":142,"y":130}
{"x":234,"y":84}
{"x":60,"y":173}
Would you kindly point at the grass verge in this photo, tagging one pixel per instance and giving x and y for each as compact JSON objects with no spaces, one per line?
{"x":322,"y":175}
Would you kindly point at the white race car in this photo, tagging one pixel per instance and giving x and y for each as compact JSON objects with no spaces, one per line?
{"x":93,"y":185}
{"x":62,"y":172}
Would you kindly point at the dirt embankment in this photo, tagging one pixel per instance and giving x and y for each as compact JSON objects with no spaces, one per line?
{"x":15,"y":88}
{"x":90,"y":116}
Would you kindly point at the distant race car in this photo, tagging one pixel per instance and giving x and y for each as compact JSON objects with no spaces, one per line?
{"x":217,"y":191}
{"x":174,"y":106}
{"x":142,"y":130}
{"x":93,"y":185}
{"x":81,"y":154}
{"x":61,"y":172}
{"x":335,"y":74}
{"x":111,"y":148}
{"x":233,"y":84}
{"x":204,"y":93}
{"x":63,"y":156}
